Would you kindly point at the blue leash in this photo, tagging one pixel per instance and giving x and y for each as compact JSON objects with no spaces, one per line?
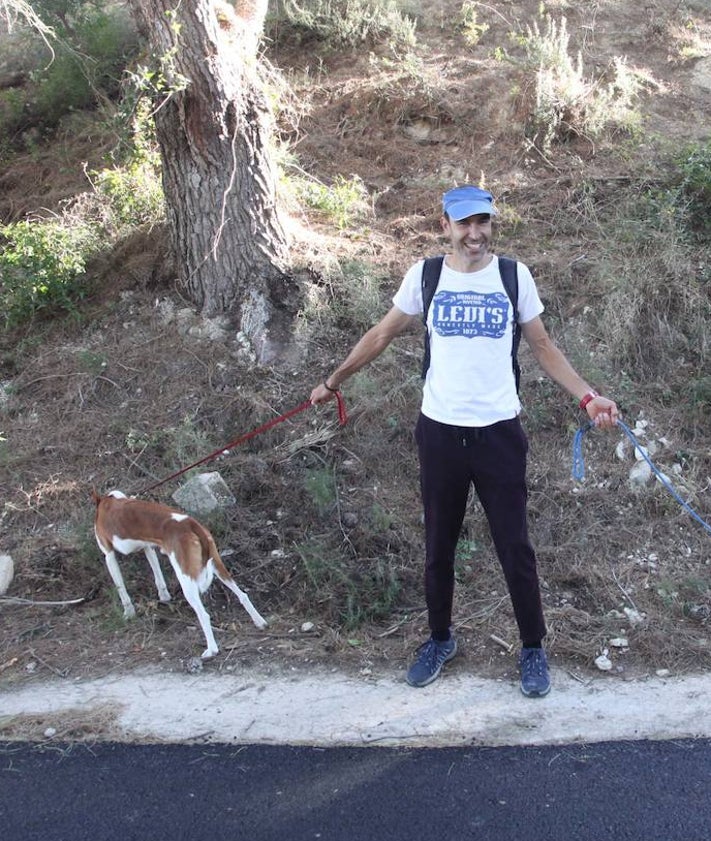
{"x":578,"y":471}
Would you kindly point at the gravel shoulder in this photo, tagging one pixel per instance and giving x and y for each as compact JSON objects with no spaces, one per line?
{"x":326,"y":708}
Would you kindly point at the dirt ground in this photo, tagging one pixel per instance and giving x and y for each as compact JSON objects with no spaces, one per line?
{"x":142,"y":385}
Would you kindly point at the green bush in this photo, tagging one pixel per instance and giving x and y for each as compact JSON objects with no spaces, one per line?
{"x":321,"y":487}
{"x":695,"y":171}
{"x":343,"y":202}
{"x":340,"y":23}
{"x":469,"y":24}
{"x":129,"y":196}
{"x":91,"y":50}
{"x":649,"y":280}
{"x":62,"y":88}
{"x":42,"y":267}
{"x":567,"y":102}
{"x":357,"y":592}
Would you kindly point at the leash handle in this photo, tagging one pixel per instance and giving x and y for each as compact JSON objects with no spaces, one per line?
{"x":342,"y":414}
{"x":342,"y":420}
{"x":578,"y":471}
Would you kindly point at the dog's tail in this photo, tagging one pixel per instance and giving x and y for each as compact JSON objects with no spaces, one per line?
{"x":209,"y":548}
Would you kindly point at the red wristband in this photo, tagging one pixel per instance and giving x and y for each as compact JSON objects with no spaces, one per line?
{"x":591,"y":395}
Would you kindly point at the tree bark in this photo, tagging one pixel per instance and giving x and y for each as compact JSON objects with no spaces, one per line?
{"x":214,"y":130}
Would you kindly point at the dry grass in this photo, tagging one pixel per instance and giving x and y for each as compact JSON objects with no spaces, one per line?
{"x":66,"y":726}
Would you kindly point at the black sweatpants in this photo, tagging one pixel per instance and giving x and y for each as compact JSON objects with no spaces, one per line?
{"x":493,"y":459}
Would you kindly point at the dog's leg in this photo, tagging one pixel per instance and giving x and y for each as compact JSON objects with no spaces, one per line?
{"x":129,"y":611}
{"x":152,"y":557}
{"x":226,"y":578}
{"x":229,"y":582}
{"x":191,"y":591}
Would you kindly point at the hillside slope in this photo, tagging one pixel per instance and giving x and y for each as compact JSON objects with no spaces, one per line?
{"x":327,"y":525}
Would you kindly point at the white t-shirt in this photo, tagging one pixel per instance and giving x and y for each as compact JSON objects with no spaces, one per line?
{"x":470,"y":381}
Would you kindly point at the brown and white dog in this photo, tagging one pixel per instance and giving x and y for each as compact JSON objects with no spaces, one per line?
{"x":128,"y":525}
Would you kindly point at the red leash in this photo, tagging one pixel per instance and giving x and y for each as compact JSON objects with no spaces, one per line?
{"x":342,"y":420}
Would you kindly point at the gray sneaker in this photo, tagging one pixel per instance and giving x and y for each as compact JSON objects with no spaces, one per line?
{"x":535,"y":680}
{"x":431,"y":656}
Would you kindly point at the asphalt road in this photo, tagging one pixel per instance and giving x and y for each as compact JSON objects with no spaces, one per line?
{"x":627,"y":791}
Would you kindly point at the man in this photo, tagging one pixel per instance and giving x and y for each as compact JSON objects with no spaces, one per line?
{"x":468,"y":431}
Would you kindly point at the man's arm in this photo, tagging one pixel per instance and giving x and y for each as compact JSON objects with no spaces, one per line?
{"x":371,"y":345}
{"x":601,"y":410}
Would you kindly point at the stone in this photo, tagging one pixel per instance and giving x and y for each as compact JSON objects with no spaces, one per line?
{"x":603,"y":663}
{"x":639,"y":475}
{"x":204,"y":494}
{"x":7,"y":572}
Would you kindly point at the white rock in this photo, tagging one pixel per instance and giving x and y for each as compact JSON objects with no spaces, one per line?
{"x":640,"y":474}
{"x":307,"y":626}
{"x":194,"y":665}
{"x":603,"y":663}
{"x":204,"y":493}
{"x":640,"y":452}
{"x":7,"y":572}
{"x":634,"y":617}
{"x":620,"y":450}
{"x":5,"y":392}
{"x":662,"y":673}
{"x":619,"y":642}
{"x":166,"y":311}
{"x":50,"y":732}
{"x":213,"y":329}
{"x":418,"y":130}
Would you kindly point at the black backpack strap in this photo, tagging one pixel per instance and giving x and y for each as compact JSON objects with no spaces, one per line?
{"x":508,"y":269}
{"x":431,"y":270}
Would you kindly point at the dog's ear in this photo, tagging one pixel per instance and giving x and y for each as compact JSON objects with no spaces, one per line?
{"x":95,"y":496}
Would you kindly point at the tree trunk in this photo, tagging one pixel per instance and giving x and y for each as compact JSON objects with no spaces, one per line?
{"x":214,"y":130}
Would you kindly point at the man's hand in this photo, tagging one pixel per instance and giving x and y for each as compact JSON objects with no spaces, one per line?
{"x":321,"y":394}
{"x":602,"y":412}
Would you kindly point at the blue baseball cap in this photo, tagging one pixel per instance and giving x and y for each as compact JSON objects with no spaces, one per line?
{"x":462,"y":202}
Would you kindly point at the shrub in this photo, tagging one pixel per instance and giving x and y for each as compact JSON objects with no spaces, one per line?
{"x":42,"y":262}
{"x":341,"y":23}
{"x":342,"y":202}
{"x":356,"y":592}
{"x":90,"y":52}
{"x":694,"y":166}
{"x":469,"y":24}
{"x":321,"y":487}
{"x":649,"y":280}
{"x":568,"y":103}
{"x":127,"y":197}
{"x":42,"y":267}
